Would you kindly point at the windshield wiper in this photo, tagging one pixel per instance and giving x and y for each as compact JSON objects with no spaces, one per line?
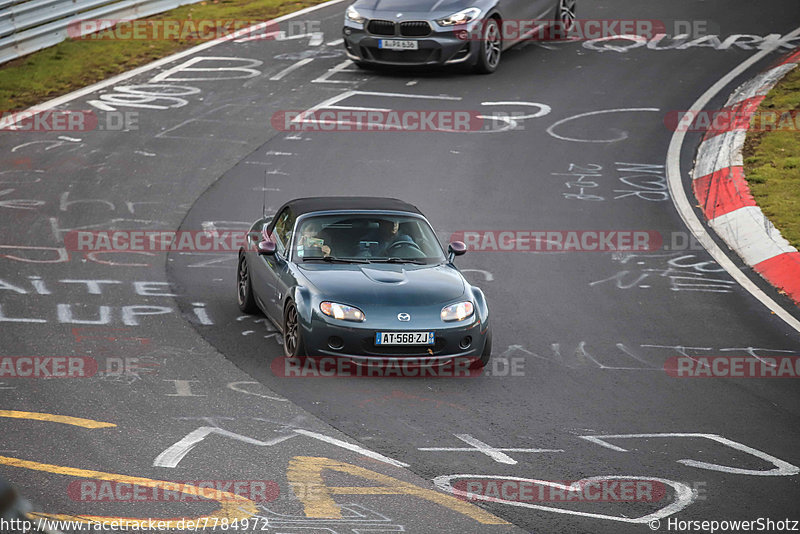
{"x":399,"y":260}
{"x":331,"y":259}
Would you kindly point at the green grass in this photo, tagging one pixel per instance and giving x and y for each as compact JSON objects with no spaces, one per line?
{"x":73,"y":64}
{"x":772,"y":162}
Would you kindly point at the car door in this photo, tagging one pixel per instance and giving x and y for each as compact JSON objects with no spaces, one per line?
{"x":272,"y":267}
{"x":264,"y":277}
{"x":520,"y":16}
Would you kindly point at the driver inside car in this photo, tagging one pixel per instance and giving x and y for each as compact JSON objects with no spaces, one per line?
{"x":379,"y":241}
{"x":310,"y":245}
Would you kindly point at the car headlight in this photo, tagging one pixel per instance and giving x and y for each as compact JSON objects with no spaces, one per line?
{"x":342,"y":311}
{"x":462,"y":17}
{"x":354,"y":15}
{"x":457,"y":312}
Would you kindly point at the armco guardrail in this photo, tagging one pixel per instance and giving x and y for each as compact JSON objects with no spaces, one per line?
{"x":30,"y":25}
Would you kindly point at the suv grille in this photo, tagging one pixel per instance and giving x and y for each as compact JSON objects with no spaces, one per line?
{"x":416,"y":28}
{"x":381,"y":27}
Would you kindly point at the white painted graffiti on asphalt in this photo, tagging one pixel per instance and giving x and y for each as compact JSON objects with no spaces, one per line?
{"x":644,"y":181}
{"x":682,"y":272}
{"x":85,"y":313}
{"x":660,"y":41}
{"x":158,"y":95}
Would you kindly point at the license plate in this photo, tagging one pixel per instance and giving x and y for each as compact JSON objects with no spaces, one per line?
{"x":397,"y":44}
{"x":404,"y":338}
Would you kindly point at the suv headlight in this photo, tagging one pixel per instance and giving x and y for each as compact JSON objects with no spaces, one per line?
{"x":342,"y":311}
{"x":457,"y":312}
{"x":354,"y":15}
{"x":462,"y":17}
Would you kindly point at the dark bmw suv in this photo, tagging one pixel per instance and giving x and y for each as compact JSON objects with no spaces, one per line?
{"x":447,"y":32}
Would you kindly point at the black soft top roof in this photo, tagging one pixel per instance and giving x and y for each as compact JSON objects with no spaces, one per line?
{"x":301,"y":206}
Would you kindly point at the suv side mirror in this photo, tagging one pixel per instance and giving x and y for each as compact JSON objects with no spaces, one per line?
{"x":266,"y":248}
{"x":456,"y":248}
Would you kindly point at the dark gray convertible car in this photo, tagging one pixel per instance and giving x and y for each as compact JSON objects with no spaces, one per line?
{"x":365,"y":279}
{"x":448,"y":32}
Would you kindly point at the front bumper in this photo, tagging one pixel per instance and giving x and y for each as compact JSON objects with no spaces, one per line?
{"x":440,"y":47}
{"x":357,"y":342}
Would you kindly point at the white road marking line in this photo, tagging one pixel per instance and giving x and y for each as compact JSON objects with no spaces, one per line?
{"x":496,"y":454}
{"x":684,"y":207}
{"x":544,"y":109}
{"x":291,"y":68}
{"x":781,"y":468}
{"x":341,"y":67}
{"x":173,"y":455}
{"x":337,"y":42}
{"x":360,"y":108}
{"x":316,"y":39}
{"x":352,"y":447}
{"x":333,"y":103}
{"x":622,"y":136}
{"x":237,"y":386}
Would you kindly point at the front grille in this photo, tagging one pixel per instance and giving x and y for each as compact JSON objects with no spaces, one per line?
{"x":416,"y":28}
{"x":369,"y":347}
{"x":381,"y":27}
{"x":403,"y":56}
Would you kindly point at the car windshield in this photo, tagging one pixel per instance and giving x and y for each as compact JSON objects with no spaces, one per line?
{"x":372,"y":238}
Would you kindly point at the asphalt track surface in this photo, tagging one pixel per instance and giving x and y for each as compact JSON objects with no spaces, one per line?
{"x":589,"y":333}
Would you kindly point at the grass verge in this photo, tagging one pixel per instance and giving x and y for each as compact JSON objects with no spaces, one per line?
{"x":772,"y":161}
{"x":73,"y":64}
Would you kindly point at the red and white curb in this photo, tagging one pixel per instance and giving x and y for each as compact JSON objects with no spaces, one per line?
{"x":719,"y":184}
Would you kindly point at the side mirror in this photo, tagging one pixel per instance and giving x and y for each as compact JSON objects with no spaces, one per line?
{"x":266,"y":248}
{"x":456,"y":248}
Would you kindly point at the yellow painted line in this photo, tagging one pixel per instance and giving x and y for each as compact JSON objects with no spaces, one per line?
{"x":232,"y":507}
{"x":52,"y":418}
{"x":306,"y":472}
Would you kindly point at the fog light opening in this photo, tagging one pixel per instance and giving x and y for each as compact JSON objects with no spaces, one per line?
{"x":336,"y":343}
{"x":465,"y":343}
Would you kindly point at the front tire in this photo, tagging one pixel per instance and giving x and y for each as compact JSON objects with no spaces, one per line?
{"x":293,"y":346}
{"x":491,"y":47}
{"x":244,"y":287}
{"x":565,"y":17}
